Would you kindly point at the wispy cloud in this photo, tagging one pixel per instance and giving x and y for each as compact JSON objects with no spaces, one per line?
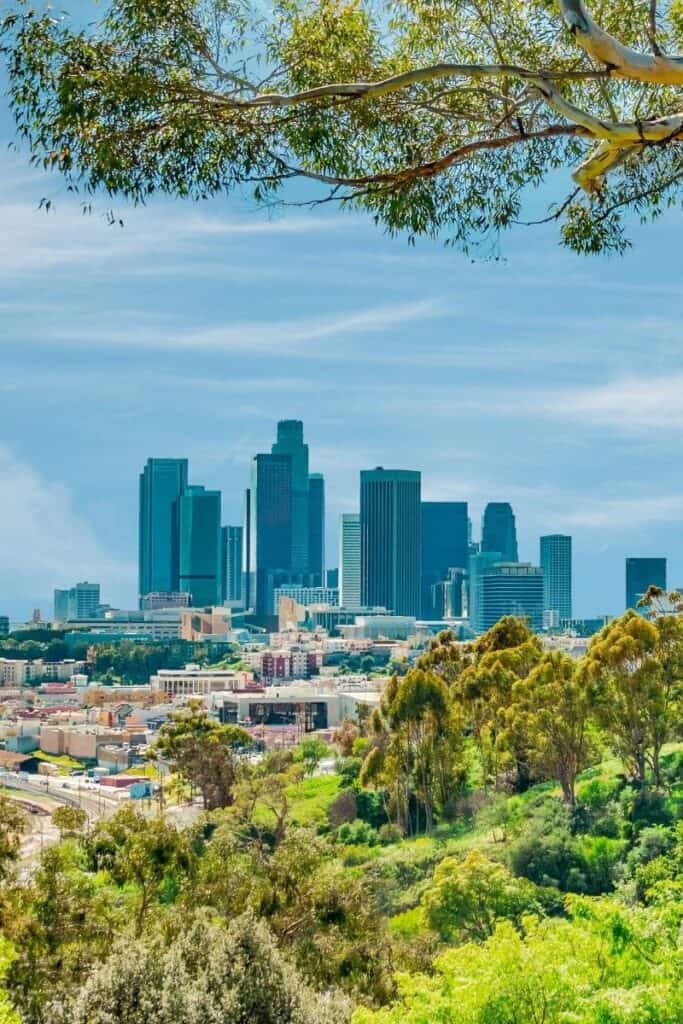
{"x":257,"y":336}
{"x":627,"y":514}
{"x":64,"y":238}
{"x":629,"y":404}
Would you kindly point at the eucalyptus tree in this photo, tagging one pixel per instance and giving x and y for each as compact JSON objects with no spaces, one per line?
{"x":433,"y":116}
{"x":417,"y":755}
{"x":638,"y":665}
{"x":503,"y":656}
{"x":553,"y":709}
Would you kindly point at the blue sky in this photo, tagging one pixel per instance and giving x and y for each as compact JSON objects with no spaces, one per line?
{"x":549,"y":380}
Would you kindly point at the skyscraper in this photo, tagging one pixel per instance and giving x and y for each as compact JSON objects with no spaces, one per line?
{"x":390,"y":536}
{"x":285,"y":535}
{"x":447,"y":595}
{"x":161,"y":483}
{"x":79,"y":602}
{"x":231,"y":561}
{"x":199,"y":545}
{"x":248,"y":580}
{"x":349,"y":560}
{"x":556,"y":562}
{"x":61,"y":605}
{"x":498,"y":530}
{"x":270,"y":530}
{"x":479,"y":562}
{"x":642,"y":573}
{"x":316,"y":529}
{"x":290,"y":441}
{"x":444,"y":547}
{"x":510,"y":588}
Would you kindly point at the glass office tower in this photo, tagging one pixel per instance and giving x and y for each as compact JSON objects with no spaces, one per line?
{"x":231,"y":561}
{"x":200,"y":546}
{"x":642,"y":573}
{"x":349,"y":560}
{"x":316,"y":529}
{"x":390,"y":531}
{"x":161,"y":483}
{"x":499,"y":531}
{"x":444,"y":547}
{"x":270,"y":540}
{"x":556,"y":562}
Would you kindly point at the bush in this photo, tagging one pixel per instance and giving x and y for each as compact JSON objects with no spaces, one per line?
{"x":601,"y":862}
{"x":371,"y":807}
{"x":655,"y":841}
{"x":208,"y":973}
{"x":357,"y":833}
{"x":390,"y":833}
{"x":342,"y":809}
{"x":672,"y":768}
{"x":549,"y":853}
{"x":641,"y":808}
{"x":348,"y":769}
{"x":598,"y":794}
{"x":468,"y":897}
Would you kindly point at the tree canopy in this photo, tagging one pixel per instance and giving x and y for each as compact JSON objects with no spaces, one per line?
{"x":435,"y":117}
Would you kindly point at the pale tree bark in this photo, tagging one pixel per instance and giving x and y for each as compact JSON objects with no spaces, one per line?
{"x":624,"y":62}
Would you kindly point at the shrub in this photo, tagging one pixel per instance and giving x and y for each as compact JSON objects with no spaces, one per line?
{"x":357,"y":833}
{"x":371,"y":807}
{"x":600,"y":861}
{"x":641,"y":808}
{"x":654,"y":841}
{"x":342,"y":809}
{"x":207,"y":974}
{"x":468,"y":897}
{"x":348,"y":768}
{"x":390,"y":833}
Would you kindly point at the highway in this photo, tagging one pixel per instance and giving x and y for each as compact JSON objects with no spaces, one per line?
{"x":67,"y":790}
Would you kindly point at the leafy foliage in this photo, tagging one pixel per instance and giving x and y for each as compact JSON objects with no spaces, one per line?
{"x":436,"y":119}
{"x":206,"y":754}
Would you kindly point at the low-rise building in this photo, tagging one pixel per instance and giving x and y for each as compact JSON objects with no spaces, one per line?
{"x":196,"y":681}
{"x":308,"y":707}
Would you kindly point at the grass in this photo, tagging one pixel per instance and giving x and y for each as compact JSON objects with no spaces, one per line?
{"x":148,"y":770}
{"x":65,"y":763}
{"x":311,"y":798}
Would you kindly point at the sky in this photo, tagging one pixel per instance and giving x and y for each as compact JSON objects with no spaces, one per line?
{"x":543,"y":378}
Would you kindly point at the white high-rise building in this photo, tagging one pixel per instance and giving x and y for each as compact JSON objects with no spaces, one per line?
{"x":349,"y":560}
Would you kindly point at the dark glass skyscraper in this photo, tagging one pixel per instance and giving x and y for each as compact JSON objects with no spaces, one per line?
{"x":390,"y":530}
{"x":444,"y":547}
{"x":285,"y":532}
{"x":270,"y":540}
{"x":231,"y":562}
{"x":498,"y":530}
{"x":161,"y":483}
{"x":642,"y":573}
{"x":199,"y":545}
{"x":248,"y":579}
{"x":556,"y":562}
{"x":316,"y":529}
{"x":290,"y":441}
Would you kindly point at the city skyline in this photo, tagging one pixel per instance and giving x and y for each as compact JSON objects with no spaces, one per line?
{"x":573,"y":440}
{"x":401,"y":553}
{"x":319,"y":539}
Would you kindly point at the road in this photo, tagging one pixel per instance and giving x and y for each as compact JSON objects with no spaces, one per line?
{"x":70,"y":790}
